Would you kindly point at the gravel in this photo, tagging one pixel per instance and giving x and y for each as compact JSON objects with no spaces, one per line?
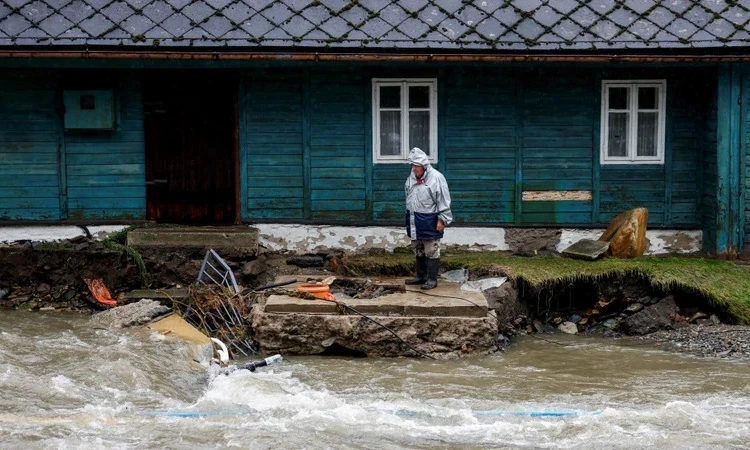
{"x":714,"y":341}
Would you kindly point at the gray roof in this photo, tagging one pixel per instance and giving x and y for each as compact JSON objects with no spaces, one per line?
{"x":410,"y":25}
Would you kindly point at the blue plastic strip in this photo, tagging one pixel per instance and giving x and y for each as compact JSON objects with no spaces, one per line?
{"x":237,"y":412}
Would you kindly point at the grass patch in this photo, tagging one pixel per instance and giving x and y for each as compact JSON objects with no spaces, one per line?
{"x":725,"y":284}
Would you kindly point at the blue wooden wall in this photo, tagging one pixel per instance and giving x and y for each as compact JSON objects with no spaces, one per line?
{"x":106,"y":170}
{"x":30,"y":142}
{"x":306,"y":148}
{"x":559,"y":126}
{"x":49,"y":174}
{"x":709,"y":181}
{"x":745,"y":142}
{"x":502,"y":131}
{"x":274,"y":166}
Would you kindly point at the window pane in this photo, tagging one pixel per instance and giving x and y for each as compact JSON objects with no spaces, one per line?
{"x":618,"y":98}
{"x":647,"y":98}
{"x":618,"y":134}
{"x":419,"y":130}
{"x":390,"y":97}
{"x":647,"y":127}
{"x":390,"y":133}
{"x":419,"y":97}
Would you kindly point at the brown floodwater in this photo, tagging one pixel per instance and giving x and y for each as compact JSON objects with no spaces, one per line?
{"x":64,"y":384}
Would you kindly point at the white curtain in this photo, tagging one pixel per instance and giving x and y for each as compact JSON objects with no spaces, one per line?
{"x":419,"y":130}
{"x":647,"y":131}
{"x":390,"y":133}
{"x":618,"y":134}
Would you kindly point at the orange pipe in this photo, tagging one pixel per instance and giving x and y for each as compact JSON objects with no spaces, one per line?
{"x":321,"y":291}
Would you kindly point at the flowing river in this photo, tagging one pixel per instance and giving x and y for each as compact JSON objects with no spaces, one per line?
{"x":64,"y":384}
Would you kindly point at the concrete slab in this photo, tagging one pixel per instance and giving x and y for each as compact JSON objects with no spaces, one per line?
{"x":245,"y":238}
{"x":156,"y":294}
{"x":588,"y":249}
{"x":200,"y":349}
{"x":177,"y":326}
{"x":447,"y":300}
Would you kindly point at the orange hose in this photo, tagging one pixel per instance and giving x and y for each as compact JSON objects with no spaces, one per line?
{"x":321,"y":291}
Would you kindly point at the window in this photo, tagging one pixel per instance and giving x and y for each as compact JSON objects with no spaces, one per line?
{"x":633,"y":122}
{"x":404,"y":116}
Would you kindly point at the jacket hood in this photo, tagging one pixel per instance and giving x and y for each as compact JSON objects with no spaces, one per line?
{"x":419,"y":158}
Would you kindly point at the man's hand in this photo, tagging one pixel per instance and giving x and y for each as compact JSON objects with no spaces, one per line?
{"x":440,"y":225}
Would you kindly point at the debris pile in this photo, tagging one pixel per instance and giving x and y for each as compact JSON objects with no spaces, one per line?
{"x":363,"y":288}
{"x":219,"y":313}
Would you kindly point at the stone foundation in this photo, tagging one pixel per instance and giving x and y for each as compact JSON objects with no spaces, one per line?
{"x":312,"y":334}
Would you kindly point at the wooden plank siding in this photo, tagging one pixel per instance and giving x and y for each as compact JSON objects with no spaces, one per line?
{"x":30,"y":141}
{"x":557,"y":143}
{"x":745,"y":142}
{"x":306,"y":132}
{"x":106,"y":170}
{"x":273,"y":136}
{"x":503,"y":130}
{"x":709,"y":173}
{"x":479,"y":151}
{"x":337,"y":147}
{"x":48,"y":174}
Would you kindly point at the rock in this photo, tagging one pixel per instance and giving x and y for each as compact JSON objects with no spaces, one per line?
{"x":714,"y":319}
{"x":306,"y":261}
{"x":255,"y":267}
{"x":696,"y":316}
{"x":651,"y":318}
{"x":483,"y":285}
{"x":568,"y":327}
{"x":504,"y":300}
{"x":634,"y":307}
{"x":4,"y":293}
{"x":44,"y":287}
{"x":456,"y":276}
{"x":538,"y":326}
{"x":133,"y":314}
{"x":627,"y":234}
{"x":610,"y":324}
{"x":574,"y":318}
{"x":587,"y":249}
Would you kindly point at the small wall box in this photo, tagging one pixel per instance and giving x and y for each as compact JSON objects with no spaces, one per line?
{"x":89,"y":110}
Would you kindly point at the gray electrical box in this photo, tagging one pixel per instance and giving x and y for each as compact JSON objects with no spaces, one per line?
{"x":89,"y":110}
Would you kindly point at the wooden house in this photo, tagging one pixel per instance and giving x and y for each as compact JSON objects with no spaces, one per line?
{"x":539,"y":112}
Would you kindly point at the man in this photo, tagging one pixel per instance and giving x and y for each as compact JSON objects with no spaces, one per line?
{"x":428,"y":212}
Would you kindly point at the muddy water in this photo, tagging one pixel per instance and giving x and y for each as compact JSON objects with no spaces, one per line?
{"x":64,"y":385}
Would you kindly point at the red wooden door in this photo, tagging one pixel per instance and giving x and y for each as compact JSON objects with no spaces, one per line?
{"x":191,"y":151}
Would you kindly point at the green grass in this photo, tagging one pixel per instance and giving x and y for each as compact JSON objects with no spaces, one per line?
{"x":725,"y":284}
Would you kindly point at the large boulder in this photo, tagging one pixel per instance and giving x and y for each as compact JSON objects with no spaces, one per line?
{"x":651,"y":318}
{"x":627,"y":234}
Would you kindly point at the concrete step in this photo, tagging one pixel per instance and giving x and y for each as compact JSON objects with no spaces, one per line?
{"x":239,"y":237}
{"x":447,"y":300}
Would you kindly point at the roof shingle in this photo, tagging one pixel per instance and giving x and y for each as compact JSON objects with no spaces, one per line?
{"x":409,"y":24}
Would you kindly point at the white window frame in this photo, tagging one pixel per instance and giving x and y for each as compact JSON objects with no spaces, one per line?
{"x":404,"y":83}
{"x":632,"y":138}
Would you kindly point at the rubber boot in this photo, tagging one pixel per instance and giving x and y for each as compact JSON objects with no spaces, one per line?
{"x":421,"y":272}
{"x":432,"y":273}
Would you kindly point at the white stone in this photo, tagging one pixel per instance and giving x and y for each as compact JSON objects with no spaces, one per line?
{"x":568,"y":327}
{"x":483,"y":285}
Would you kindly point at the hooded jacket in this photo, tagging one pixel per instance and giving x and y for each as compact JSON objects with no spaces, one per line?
{"x":427,"y":199}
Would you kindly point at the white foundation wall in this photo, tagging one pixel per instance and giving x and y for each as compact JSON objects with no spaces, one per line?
{"x":315,"y":238}
{"x":301,"y":239}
